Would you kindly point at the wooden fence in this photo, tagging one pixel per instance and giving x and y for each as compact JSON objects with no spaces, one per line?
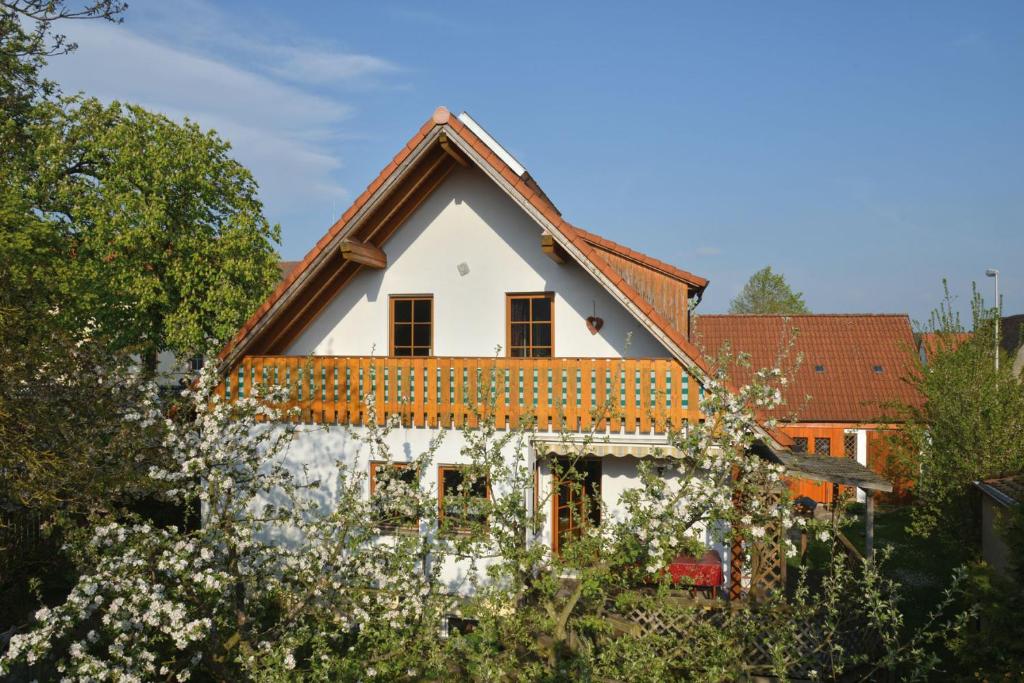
{"x":645,"y":395}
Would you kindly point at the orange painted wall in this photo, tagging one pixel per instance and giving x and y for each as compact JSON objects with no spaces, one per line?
{"x":878,"y":453}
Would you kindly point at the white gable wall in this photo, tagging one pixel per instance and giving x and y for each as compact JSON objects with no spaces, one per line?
{"x":470,"y":220}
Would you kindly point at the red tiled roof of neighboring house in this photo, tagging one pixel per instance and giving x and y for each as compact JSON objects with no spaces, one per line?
{"x":853,"y":365}
{"x":1006,"y":490}
{"x":286,"y":267}
{"x":935,"y":342}
{"x":527,"y":189}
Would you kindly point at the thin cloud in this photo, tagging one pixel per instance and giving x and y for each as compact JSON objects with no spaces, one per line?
{"x":286,"y":135}
{"x":707,"y":251}
{"x":319,"y":67}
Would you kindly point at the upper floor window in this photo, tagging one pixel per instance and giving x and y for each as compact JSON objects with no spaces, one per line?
{"x":822,"y":445}
{"x":412,"y":325}
{"x":531,"y":322}
{"x":799,"y":444}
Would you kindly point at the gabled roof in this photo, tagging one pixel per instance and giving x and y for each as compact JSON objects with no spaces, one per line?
{"x":852,"y":367}
{"x":442,"y":144}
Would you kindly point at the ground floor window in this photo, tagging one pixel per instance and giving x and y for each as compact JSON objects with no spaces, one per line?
{"x":577,"y":498}
{"x":389,"y":484}
{"x":462,"y":496}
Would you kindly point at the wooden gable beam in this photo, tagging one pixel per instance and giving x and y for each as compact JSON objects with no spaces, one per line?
{"x":451,"y":150}
{"x":396,"y":210}
{"x":553,"y":249}
{"x":364,"y":254}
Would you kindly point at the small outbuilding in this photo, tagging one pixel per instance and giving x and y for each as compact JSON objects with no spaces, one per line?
{"x":999,"y":497}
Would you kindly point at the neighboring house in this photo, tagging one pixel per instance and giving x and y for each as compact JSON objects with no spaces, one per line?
{"x":1011,"y":338}
{"x":932,"y":343}
{"x":1000,"y":496}
{"x":852,"y":369}
{"x":454,"y":262}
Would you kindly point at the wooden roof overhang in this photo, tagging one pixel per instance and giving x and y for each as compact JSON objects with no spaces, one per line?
{"x":319,"y":281}
{"x":440,"y":146}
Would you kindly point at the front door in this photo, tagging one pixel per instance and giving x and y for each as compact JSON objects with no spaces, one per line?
{"x":577,"y":499}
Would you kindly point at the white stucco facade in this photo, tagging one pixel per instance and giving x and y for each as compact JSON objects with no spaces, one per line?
{"x":468,"y":246}
{"x":316,"y":452}
{"x":469,"y":220}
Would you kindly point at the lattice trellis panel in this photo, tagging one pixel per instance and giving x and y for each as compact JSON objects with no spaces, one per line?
{"x":768,"y":559}
{"x":809,"y":650}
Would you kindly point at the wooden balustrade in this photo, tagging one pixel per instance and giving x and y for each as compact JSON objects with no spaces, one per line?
{"x":642,"y":394}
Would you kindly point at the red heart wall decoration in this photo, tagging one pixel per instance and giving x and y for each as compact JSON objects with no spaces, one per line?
{"x":594,"y":324}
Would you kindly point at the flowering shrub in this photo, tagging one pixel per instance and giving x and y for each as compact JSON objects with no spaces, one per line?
{"x":274,"y":586}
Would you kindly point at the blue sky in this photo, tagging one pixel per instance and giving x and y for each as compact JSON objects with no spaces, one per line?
{"x":865,"y":150}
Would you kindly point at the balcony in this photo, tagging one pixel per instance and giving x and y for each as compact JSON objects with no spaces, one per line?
{"x":633,"y":395}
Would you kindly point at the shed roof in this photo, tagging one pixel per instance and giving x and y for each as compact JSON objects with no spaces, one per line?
{"x":835,"y":470}
{"x":1006,"y":491}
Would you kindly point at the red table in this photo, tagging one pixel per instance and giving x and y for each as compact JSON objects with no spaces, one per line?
{"x":706,"y":571}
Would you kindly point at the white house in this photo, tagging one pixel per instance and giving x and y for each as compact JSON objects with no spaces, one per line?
{"x":452,"y":261}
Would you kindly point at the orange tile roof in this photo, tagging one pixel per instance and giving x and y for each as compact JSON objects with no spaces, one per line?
{"x":853,"y":364}
{"x":585,"y":242}
{"x":933,"y":342}
{"x":286,"y":267}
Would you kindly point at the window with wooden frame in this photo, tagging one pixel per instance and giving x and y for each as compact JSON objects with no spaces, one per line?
{"x":576,"y":500}
{"x":799,"y":444}
{"x":412,"y":325}
{"x":531,"y":325}
{"x":461,"y":498}
{"x":390,"y":483}
{"x":850,"y":445}
{"x":822,"y":445}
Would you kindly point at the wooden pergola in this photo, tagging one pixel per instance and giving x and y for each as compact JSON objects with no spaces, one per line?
{"x":838,"y":471}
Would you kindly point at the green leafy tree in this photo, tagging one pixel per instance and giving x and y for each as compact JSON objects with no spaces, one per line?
{"x":969,"y":426}
{"x":27,"y":38}
{"x":768,"y":292}
{"x":994,"y":651}
{"x":166,"y":243}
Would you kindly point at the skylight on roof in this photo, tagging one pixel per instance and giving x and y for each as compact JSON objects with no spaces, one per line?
{"x":878,"y":369}
{"x":819,"y":368}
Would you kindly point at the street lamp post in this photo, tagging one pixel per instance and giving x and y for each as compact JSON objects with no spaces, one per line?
{"x":993,"y":273}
